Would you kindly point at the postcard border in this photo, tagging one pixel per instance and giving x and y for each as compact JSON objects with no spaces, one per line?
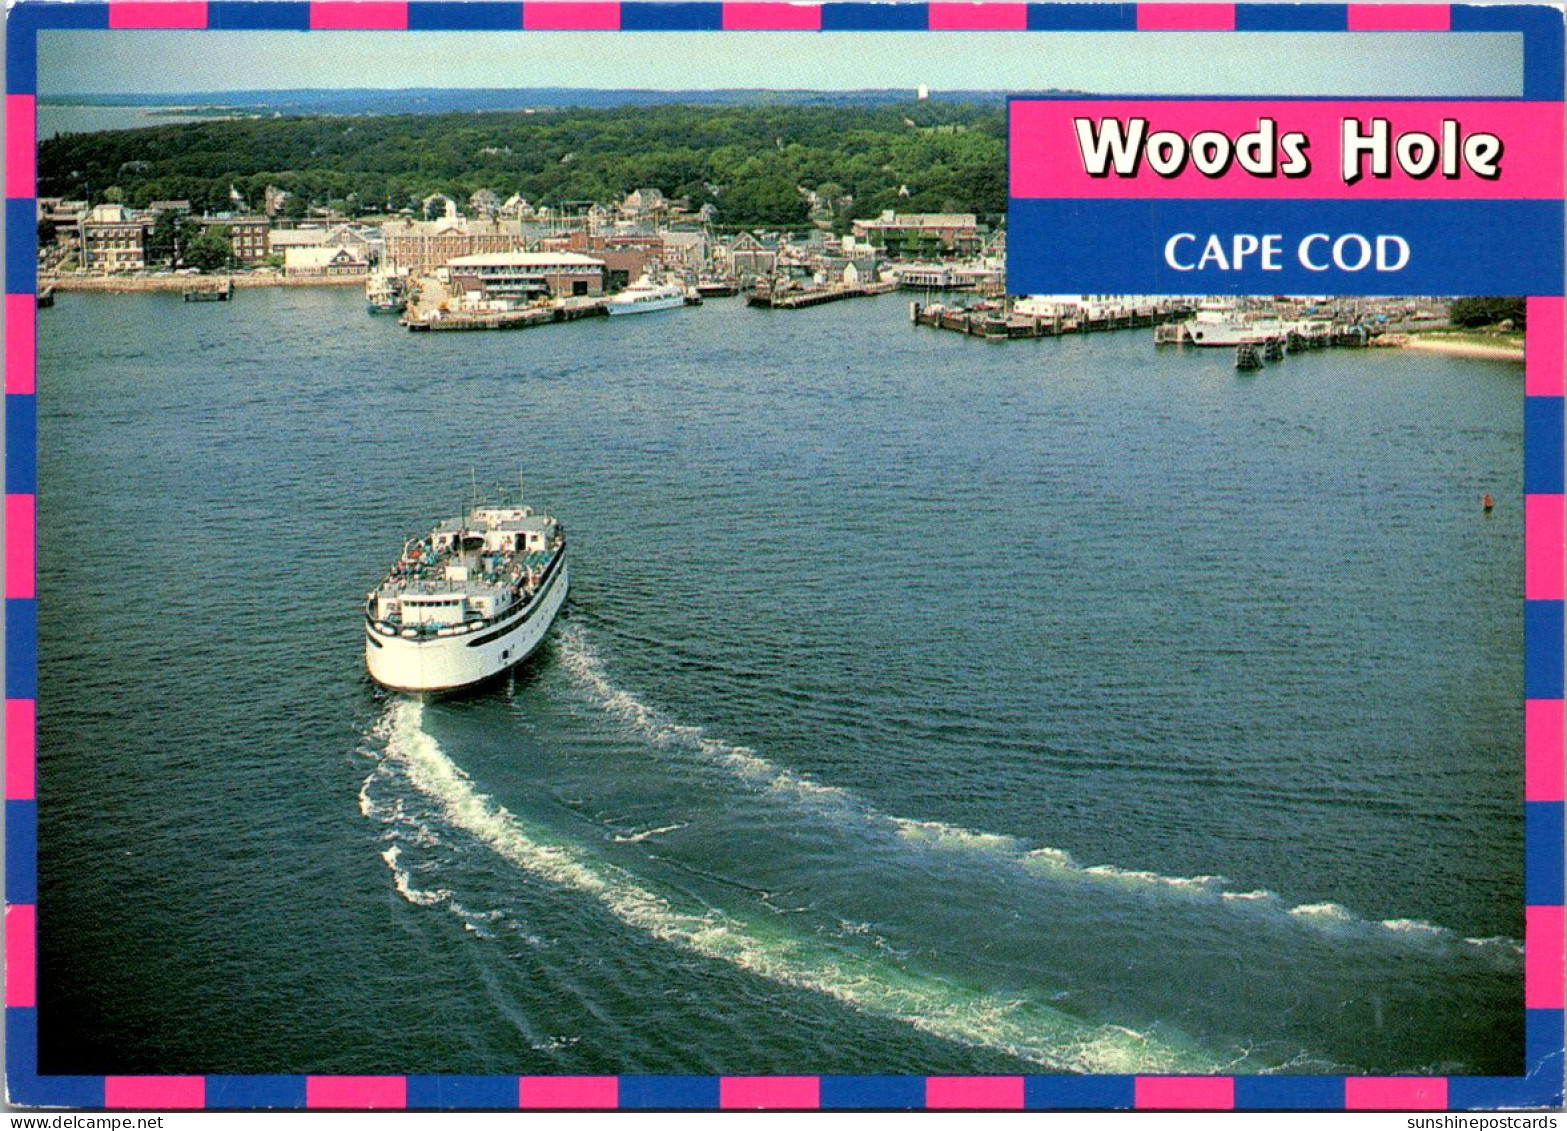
{"x":1544,"y":964}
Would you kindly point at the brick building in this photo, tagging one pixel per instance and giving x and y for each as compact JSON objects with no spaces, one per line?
{"x":420,"y":247}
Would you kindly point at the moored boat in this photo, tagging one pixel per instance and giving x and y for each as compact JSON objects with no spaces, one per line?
{"x":1222,"y":323}
{"x":469,"y":600}
{"x":385,"y":294}
{"x":645,"y":296}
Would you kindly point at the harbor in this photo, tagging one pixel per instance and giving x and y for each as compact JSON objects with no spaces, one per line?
{"x":511,"y":266}
{"x":1099,"y":543}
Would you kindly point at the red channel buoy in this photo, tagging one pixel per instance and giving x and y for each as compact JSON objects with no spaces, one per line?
{"x":1487,"y":503}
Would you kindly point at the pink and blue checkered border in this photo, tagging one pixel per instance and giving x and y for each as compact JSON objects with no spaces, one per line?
{"x":1540,"y":1086}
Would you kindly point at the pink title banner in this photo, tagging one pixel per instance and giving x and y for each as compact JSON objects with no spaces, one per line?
{"x":1307,"y":150}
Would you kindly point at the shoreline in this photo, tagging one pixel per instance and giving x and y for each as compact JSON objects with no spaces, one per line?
{"x":1457,"y":348}
{"x":109,"y":284}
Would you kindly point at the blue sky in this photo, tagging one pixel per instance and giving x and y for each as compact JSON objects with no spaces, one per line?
{"x":1387,"y":64}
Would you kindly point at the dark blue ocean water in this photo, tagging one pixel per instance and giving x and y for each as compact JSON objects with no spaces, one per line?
{"x":923,"y":704}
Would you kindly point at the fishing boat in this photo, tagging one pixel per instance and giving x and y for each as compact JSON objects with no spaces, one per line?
{"x":645,"y":296}
{"x":1247,"y":357}
{"x":467,"y":601}
{"x":385,"y":294}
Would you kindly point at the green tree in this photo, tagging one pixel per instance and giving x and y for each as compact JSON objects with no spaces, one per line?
{"x":1487,"y":311}
{"x":210,"y":251}
{"x":763,"y":193}
{"x":167,"y":238}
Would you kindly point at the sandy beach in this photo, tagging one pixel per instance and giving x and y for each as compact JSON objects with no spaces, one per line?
{"x":1459,"y":347}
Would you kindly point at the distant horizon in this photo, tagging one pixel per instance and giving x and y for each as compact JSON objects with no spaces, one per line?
{"x":125,"y":98}
{"x":1299,"y":64}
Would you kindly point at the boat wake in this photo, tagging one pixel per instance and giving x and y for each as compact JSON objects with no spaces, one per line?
{"x":587,"y":669}
{"x":841,"y":968}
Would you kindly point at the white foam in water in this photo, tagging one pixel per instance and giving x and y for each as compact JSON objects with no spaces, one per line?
{"x":638,"y":838}
{"x":404,"y":882}
{"x":585,"y":665}
{"x":1027,"y":1029}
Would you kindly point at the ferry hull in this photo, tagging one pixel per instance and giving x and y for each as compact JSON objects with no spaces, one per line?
{"x":615,"y":310}
{"x":451,"y":662}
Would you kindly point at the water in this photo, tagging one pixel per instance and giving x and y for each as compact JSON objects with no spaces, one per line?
{"x":923,"y":705}
{"x":67,"y":118}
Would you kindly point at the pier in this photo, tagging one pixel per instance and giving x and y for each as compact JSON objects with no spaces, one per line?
{"x":505,"y":319}
{"x":799,"y":299}
{"x":1003,"y":323}
{"x":431,"y":306}
{"x":220,"y":291}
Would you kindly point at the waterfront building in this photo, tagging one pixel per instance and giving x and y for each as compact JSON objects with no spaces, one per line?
{"x":626,"y":255}
{"x":330,"y":262}
{"x":66,"y":218}
{"x":364,"y":242}
{"x":934,"y":235}
{"x":518,"y":278}
{"x":836,"y":270}
{"x":248,"y":235}
{"x":112,"y":239}
{"x":749,"y":255}
{"x":419,"y":247}
{"x":685,"y":250}
{"x":283,"y":240}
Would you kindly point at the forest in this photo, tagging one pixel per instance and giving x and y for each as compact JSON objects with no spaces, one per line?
{"x":754,"y":164}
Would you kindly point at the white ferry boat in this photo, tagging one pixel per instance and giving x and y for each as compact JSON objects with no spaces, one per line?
{"x":466,"y":602}
{"x":1222,"y":324}
{"x":645,"y":296}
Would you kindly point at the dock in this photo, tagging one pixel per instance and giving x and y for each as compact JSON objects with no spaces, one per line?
{"x":432,"y":307}
{"x":1001,"y":323}
{"x":799,"y":299}
{"x":220,"y":291}
{"x":505,"y":319}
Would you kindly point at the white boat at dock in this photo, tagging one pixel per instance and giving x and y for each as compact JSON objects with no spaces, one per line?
{"x":1223,"y":324}
{"x":469,"y":600}
{"x":645,"y":296}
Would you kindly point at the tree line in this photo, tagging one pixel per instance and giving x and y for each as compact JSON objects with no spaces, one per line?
{"x":1490,"y":310}
{"x":750,"y":162}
